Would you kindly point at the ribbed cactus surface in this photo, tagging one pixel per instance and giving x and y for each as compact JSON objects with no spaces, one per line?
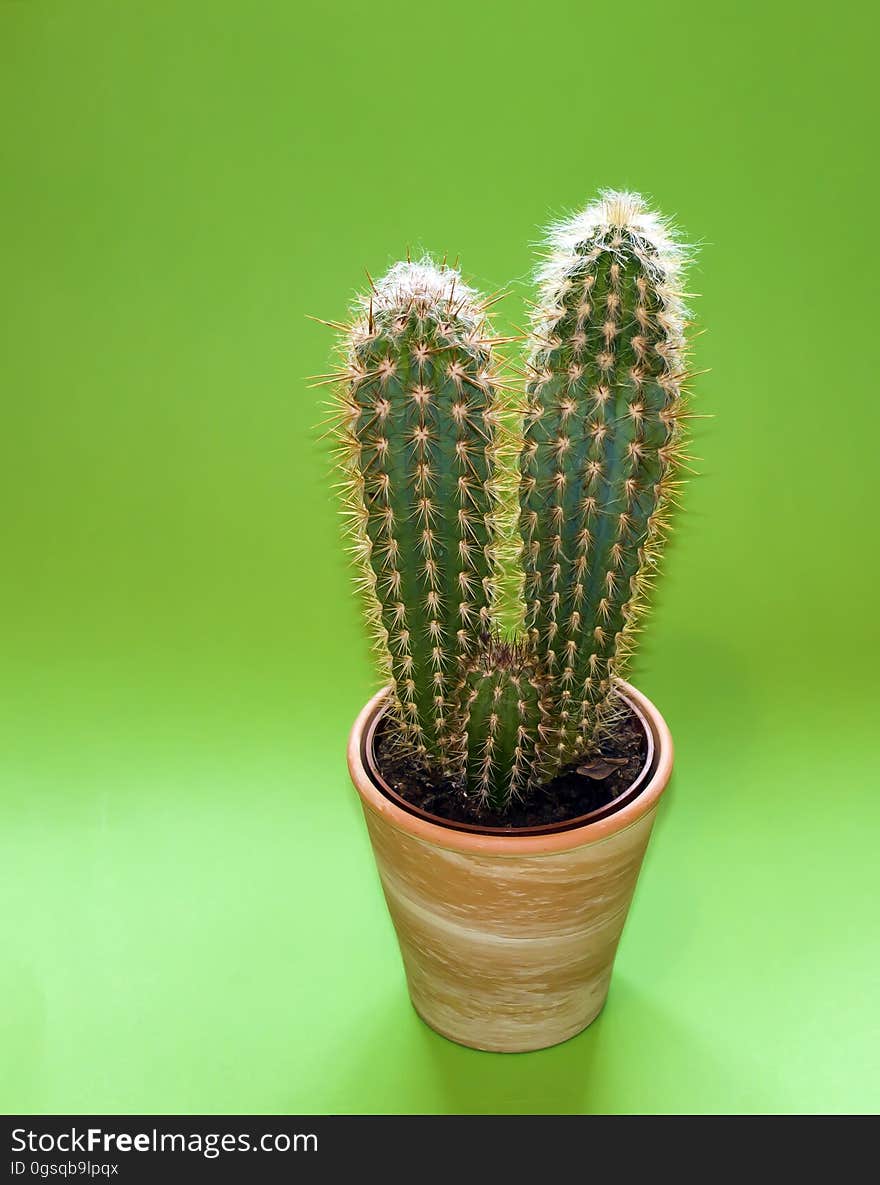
{"x":600,"y":442}
{"x":503,"y":721}
{"x":419,"y":440}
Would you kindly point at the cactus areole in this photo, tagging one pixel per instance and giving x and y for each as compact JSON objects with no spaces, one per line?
{"x":444,"y":462}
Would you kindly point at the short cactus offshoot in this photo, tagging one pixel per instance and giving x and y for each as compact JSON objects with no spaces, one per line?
{"x":601,"y":443}
{"x":420,"y":429}
{"x":503,"y":716}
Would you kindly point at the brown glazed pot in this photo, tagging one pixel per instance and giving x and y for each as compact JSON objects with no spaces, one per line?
{"x":508,"y":940}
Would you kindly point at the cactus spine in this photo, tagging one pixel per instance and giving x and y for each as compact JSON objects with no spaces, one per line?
{"x":419,"y":438}
{"x":601,"y":440}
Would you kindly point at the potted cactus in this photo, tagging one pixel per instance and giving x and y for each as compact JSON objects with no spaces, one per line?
{"x":504,"y":544}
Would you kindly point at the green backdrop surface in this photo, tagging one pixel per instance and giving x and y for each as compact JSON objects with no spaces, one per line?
{"x":189,"y":915}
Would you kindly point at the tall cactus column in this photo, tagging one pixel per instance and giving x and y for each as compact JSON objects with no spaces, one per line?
{"x":419,"y":440}
{"x":601,"y":440}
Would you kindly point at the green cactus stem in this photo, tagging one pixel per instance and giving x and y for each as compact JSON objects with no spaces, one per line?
{"x":601,"y":445}
{"x":418,"y":435}
{"x":502,"y":716}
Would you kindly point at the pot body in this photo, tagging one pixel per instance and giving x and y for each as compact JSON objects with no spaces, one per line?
{"x":508,"y":941}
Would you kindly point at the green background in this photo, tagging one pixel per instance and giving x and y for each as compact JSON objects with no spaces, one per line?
{"x":189,"y":915}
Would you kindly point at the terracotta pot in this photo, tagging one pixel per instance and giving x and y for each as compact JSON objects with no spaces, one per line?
{"x":508,"y":940}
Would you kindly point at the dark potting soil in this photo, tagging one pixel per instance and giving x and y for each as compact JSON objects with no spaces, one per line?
{"x":568,"y":796}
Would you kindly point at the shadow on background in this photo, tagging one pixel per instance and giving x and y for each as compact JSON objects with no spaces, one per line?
{"x":632,"y":1059}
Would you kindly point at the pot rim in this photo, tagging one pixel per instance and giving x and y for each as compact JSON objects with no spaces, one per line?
{"x":447,"y":835}
{"x":609,"y":808}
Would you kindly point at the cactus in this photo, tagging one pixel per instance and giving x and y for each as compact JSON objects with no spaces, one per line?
{"x":601,"y":442}
{"x":424,"y":453}
{"x":419,"y":403}
{"x":502,"y":714}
